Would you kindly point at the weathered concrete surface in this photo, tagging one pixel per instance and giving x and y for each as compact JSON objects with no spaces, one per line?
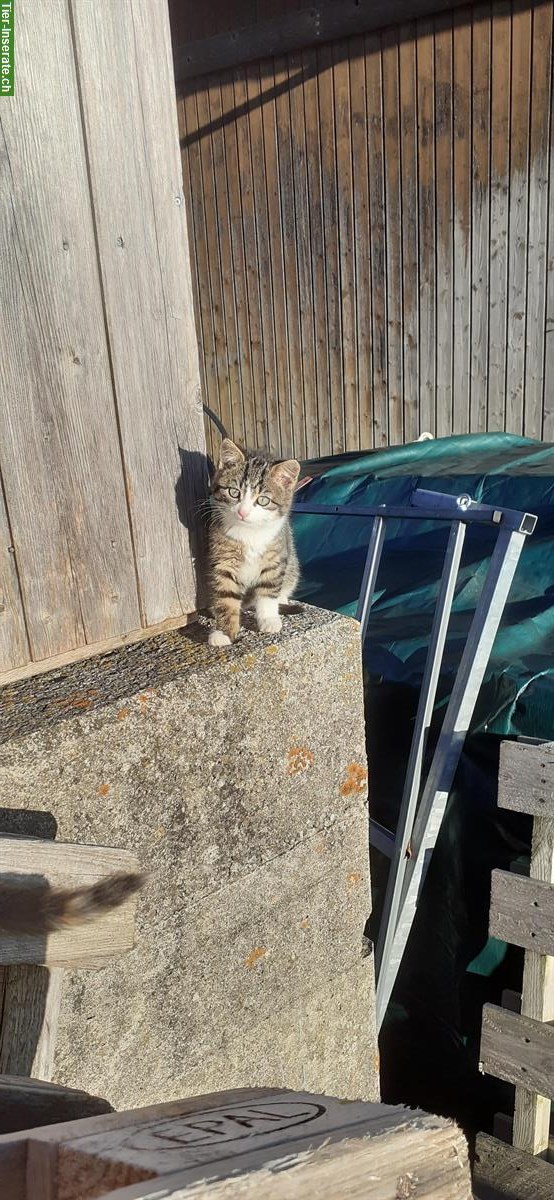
{"x":239,"y":778}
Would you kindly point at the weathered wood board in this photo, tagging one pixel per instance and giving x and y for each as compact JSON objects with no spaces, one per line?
{"x":518,"y":1049}
{"x":242,"y":1143}
{"x":526,"y":778}
{"x":502,"y":1171}
{"x":61,"y":864}
{"x":522,"y":911}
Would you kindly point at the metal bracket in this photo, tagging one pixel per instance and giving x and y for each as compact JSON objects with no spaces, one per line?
{"x":420,"y":819}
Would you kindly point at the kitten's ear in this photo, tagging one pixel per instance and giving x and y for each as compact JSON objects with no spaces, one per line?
{"x":229,"y":454}
{"x":286,"y":473}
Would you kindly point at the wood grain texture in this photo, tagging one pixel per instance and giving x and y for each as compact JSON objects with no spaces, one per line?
{"x":61,"y":864}
{"x":518,"y":1049}
{"x":522,"y":912}
{"x":410,"y":225}
{"x":444,"y":222}
{"x":518,"y":214}
{"x":531,"y":1130}
{"x":501,"y":1170}
{"x":140,"y":221}
{"x":330,"y":1147}
{"x":14,"y":645}
{"x":30,"y":1007}
{"x":59,"y":448}
{"x":526,"y":778}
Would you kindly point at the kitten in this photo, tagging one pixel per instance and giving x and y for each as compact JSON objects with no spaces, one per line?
{"x":252,"y":553}
{"x":37,"y":909}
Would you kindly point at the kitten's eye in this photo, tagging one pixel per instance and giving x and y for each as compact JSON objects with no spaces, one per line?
{"x":234,"y":493}
{"x":263,"y":500}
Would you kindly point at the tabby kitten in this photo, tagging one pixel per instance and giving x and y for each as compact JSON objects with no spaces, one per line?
{"x":252,"y":555}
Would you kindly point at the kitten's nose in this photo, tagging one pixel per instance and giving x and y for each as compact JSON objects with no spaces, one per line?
{"x":242,"y":514}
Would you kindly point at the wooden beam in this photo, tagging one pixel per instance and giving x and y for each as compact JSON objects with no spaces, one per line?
{"x":518,"y":1049}
{"x":522,"y":911}
{"x":27,"y":1103}
{"x":500,"y":1170}
{"x":61,"y":864}
{"x":532,"y":1111}
{"x":240,"y":1140}
{"x":526,"y":778}
{"x":296,"y":30}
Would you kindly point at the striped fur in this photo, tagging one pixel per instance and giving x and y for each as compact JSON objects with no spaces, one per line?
{"x":38,"y":909}
{"x":252,"y":556}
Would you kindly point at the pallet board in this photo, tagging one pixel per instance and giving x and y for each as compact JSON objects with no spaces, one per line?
{"x":330,"y":1148}
{"x":522,"y":911}
{"x":502,"y":1171}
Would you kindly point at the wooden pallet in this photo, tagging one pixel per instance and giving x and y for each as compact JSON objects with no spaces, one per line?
{"x":519,"y":1046}
{"x":235,"y":1145}
{"x":31,"y":975}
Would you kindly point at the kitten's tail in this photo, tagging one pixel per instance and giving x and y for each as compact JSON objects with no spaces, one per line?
{"x":35,"y":910}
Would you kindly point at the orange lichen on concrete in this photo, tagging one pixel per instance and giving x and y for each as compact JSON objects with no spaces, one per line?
{"x":104,"y":789}
{"x":77,"y":700}
{"x":122,"y":713}
{"x":305,"y":923}
{"x":320,"y":847}
{"x":353,"y":878}
{"x":355,"y":781}
{"x":255,"y":955}
{"x":299,"y":759}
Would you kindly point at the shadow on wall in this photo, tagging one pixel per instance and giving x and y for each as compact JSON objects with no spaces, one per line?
{"x":193,"y":482}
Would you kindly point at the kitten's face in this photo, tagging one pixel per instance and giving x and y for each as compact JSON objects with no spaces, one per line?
{"x":249,"y":491}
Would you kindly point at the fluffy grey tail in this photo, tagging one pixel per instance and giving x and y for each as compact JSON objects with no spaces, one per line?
{"x":36,"y":910}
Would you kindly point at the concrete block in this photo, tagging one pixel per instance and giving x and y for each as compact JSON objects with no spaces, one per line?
{"x":239,"y":779}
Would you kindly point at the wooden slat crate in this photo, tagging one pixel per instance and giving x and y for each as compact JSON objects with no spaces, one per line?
{"x":273,"y":1143}
{"x":519,"y":1047}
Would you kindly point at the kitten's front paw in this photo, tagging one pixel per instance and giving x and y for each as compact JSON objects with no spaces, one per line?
{"x":217,"y":638}
{"x":270,"y":625}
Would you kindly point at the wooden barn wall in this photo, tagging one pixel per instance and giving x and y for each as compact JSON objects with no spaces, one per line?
{"x":373,"y":231}
{"x":101,"y":434}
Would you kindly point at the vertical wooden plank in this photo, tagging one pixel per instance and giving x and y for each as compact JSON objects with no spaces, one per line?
{"x":315,"y":201}
{"x":538,"y":219}
{"x":255,"y":403}
{"x":271,"y":159}
{"x":519,"y":194}
{"x":218,"y":233}
{"x":426,"y":207}
{"x":444,"y":222}
{"x":410,"y":256}
{"x":140,"y":218}
{"x":499,"y":193}
{"x":300,"y":153}
{"x":233,"y":184}
{"x":59,"y":446}
{"x":286,"y":182}
{"x":330,"y":219}
{"x":377,"y":239}
{"x":548,"y":396}
{"x":204,"y":301}
{"x":481,"y":62}
{"x":531,"y":1129}
{"x":391,"y":110}
{"x":462,"y":220}
{"x":343,"y":150}
{"x":362,"y":255}
{"x":14,"y":646}
{"x":271,"y":384}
